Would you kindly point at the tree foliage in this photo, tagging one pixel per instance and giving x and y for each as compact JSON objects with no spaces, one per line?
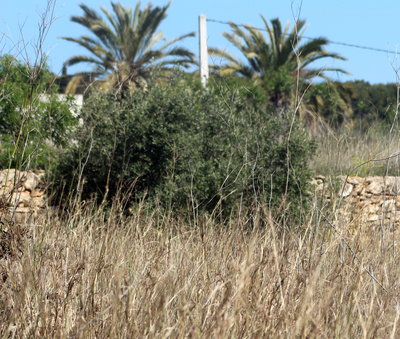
{"x":371,"y":102}
{"x":125,"y":46}
{"x":355,"y":103}
{"x":30,"y":127}
{"x":276,"y":60}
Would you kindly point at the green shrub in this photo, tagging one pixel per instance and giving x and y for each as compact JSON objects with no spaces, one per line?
{"x":30,"y":129}
{"x":184,"y":147}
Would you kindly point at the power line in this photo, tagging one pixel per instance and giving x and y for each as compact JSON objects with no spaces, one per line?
{"x":310,"y":38}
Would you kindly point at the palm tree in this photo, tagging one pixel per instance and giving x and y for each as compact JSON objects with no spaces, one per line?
{"x":126,"y":47}
{"x":275,"y":60}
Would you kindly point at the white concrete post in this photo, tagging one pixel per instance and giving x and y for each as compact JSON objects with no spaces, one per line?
{"x":203,"y":50}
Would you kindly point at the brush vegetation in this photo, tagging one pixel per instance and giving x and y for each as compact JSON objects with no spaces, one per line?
{"x":183,"y":147}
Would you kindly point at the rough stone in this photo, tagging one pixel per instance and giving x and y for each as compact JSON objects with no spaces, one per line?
{"x":37,"y":193}
{"x":31,"y":181}
{"x":373,"y":209}
{"x":375,"y":199}
{"x":374,"y":217}
{"x":7,"y":176}
{"x":388,"y":205}
{"x":375,"y":187}
{"x":38,"y":202}
{"x":346,"y":190}
{"x":5,"y":189}
{"x":392,"y":185}
{"x":20,"y":197}
{"x":23,"y":210}
{"x":355,"y":180}
{"x":360,"y":188}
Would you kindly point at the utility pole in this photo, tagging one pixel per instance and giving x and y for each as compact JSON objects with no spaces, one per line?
{"x":203,"y":50}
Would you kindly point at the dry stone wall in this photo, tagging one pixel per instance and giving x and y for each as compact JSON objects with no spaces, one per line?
{"x":371,"y":200}
{"x":22,"y":194}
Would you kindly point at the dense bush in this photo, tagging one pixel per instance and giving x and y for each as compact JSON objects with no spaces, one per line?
{"x":30,"y":127}
{"x":184,"y":147}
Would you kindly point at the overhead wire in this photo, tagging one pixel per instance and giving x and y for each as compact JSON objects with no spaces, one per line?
{"x":381,"y":50}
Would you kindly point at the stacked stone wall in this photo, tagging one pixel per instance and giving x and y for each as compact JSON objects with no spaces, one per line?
{"x":22,"y":194}
{"x":371,"y":200}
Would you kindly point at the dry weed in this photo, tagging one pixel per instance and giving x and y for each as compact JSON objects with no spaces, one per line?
{"x":99,"y":274}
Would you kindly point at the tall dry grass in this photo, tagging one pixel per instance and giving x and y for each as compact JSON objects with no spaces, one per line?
{"x":99,"y":274}
{"x":353,"y":152}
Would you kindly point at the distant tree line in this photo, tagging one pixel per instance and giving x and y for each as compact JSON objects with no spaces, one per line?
{"x":355,"y":103}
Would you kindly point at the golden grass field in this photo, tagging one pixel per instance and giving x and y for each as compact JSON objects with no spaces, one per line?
{"x":95,"y":273}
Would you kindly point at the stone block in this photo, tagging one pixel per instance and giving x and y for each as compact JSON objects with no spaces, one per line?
{"x":355,"y":180}
{"x":375,"y":187}
{"x":37,"y":193}
{"x":346,"y":190}
{"x":38,"y":202}
{"x":388,"y":205}
{"x":374,"y":218}
{"x":31,"y":181}
{"x":376,"y":199}
{"x":392,"y":185}
{"x":20,"y":197}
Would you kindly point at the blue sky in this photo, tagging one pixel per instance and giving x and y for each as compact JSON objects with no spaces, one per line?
{"x":361,"y":22}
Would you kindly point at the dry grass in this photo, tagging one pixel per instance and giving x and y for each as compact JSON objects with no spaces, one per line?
{"x":97,"y":274}
{"x":341,"y":152}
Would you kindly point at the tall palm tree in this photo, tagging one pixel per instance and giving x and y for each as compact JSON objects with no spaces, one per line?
{"x":274,"y":60}
{"x":126,"y":47}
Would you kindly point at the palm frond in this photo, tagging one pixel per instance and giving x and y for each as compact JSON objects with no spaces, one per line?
{"x":217,"y":52}
{"x":179,"y":38}
{"x":126,"y":42}
{"x":180,"y":51}
{"x":79,"y":59}
{"x":318,"y":56}
{"x":320,"y":73}
{"x":280,"y":50}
